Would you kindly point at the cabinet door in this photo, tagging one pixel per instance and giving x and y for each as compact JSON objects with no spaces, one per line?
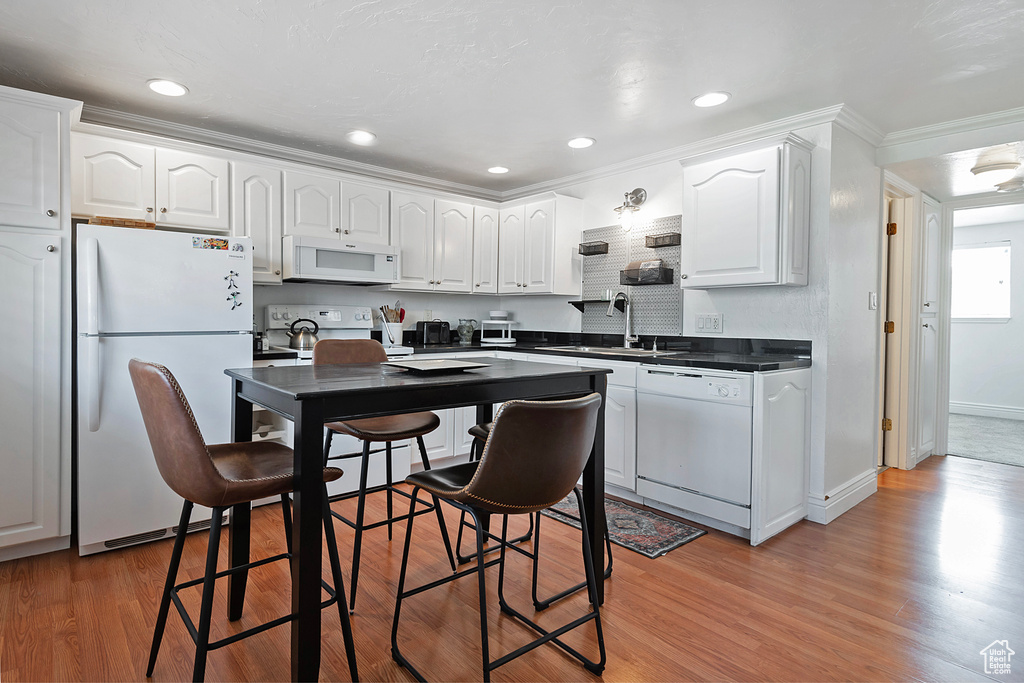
{"x":464,"y":419}
{"x":256,"y":213}
{"x":453,"y":246}
{"x":413,"y":219}
{"x":731,"y":221}
{"x":365,"y":213}
{"x":928,"y":372}
{"x":311,"y":205}
{"x":29,"y":166}
{"x":112,"y":178}
{"x":440,"y":443}
{"x":930,"y":260}
{"x":485,"y":251}
{"x":30,"y":410}
{"x":192,"y":190}
{"x":620,"y":437}
{"x":538,"y":247}
{"x":510,"y":250}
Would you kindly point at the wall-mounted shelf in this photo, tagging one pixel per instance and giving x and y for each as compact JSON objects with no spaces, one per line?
{"x":645,"y":276}
{"x":668,"y":239}
{"x":593,"y":248}
{"x":578,"y":305}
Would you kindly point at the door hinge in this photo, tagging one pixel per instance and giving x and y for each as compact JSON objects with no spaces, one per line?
{"x":886,"y":424}
{"x":890,"y":327}
{"x":890,"y":229}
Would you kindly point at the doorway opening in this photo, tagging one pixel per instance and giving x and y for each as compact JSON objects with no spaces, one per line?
{"x":986,"y":398}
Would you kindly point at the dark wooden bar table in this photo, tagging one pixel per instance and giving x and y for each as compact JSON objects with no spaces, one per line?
{"x":311,"y":395}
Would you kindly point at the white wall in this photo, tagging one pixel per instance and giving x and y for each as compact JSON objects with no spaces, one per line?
{"x":985,"y":358}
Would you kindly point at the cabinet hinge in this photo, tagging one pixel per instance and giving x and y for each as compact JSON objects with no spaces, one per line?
{"x":886,"y":424}
{"x":890,"y":327}
{"x":890,"y":229}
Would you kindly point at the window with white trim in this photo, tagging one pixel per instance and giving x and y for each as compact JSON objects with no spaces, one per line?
{"x":981,"y":281}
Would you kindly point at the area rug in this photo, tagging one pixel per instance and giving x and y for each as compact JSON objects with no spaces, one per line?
{"x":641,"y":531}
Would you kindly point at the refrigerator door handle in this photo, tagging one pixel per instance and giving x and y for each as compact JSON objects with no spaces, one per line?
{"x":90,"y":263}
{"x":90,"y":376}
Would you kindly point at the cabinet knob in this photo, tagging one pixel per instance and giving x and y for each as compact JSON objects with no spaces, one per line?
{"x":926,"y":325}
{"x":525,"y":285}
{"x":478,"y":284}
{"x":149,"y":209}
{"x":337,"y":229}
{"x":347,"y":231}
{"x":683,"y":276}
{"x":277,"y":272}
{"x":163,"y":209}
{"x":51,"y":213}
{"x":927,"y":304}
{"x":50,"y":247}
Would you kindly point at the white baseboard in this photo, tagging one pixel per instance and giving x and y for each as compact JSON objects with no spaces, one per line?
{"x":842,"y":498}
{"x":986,"y":410}
{"x":47,"y":545}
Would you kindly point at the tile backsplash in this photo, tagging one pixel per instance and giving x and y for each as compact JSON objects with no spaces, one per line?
{"x":657,"y":309}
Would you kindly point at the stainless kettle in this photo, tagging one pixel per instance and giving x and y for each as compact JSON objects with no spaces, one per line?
{"x":304,"y":339}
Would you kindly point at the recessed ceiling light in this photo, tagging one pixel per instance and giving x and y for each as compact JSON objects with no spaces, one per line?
{"x":581,"y":143}
{"x":711,"y":99}
{"x":497,"y":169}
{"x":361,"y":137}
{"x":169,"y":88}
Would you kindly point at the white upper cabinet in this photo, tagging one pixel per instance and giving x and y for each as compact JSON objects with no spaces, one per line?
{"x":435,"y":243}
{"x":256,"y":213}
{"x":746,"y":218}
{"x":312,"y":205}
{"x":538,"y":247}
{"x":453,"y":246}
{"x":141,"y":182}
{"x":485,"y":251}
{"x":365,"y":213}
{"x":510,"y":250}
{"x":931,"y":259}
{"x":112,"y":178}
{"x":192,"y":190}
{"x":29,"y":166}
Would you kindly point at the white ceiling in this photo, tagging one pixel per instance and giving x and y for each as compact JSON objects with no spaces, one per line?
{"x":988,"y":215}
{"x":452,"y":87}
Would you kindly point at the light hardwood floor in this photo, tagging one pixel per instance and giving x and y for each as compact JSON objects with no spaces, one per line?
{"x":910,"y":584}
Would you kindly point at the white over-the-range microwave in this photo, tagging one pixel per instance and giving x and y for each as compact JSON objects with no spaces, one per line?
{"x":315,"y":259}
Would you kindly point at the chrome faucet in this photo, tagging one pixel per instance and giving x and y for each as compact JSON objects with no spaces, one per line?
{"x":628,"y":338}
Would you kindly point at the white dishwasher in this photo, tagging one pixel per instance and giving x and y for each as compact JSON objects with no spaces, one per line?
{"x":694,"y":437}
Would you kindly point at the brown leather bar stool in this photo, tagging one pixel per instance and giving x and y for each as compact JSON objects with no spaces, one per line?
{"x":219,"y":477}
{"x":480,"y":433}
{"x":386,"y":430}
{"x":535,"y":454}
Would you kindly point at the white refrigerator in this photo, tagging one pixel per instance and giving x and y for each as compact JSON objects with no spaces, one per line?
{"x":179,"y":299}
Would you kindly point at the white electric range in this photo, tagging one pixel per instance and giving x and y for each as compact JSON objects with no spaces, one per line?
{"x":331,"y":322}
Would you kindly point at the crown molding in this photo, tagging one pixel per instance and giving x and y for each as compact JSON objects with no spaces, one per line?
{"x":144,"y":124}
{"x":859,"y":126}
{"x":973,"y":132}
{"x":719,"y":142}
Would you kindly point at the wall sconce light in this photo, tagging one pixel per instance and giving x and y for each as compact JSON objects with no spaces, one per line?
{"x":630,"y":205}
{"x":996,"y":173}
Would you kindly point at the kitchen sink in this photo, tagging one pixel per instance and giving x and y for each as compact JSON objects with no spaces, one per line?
{"x":604,"y":350}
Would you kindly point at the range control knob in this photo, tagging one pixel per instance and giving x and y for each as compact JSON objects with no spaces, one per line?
{"x":286,"y":315}
{"x":275,"y":315}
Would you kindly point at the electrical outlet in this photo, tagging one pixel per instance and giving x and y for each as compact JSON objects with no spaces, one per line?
{"x":708,"y":322}
{"x":716,"y":323}
{"x":428,"y":314}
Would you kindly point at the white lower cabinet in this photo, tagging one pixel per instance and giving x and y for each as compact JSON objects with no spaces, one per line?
{"x":30,"y":403}
{"x":620,"y":437}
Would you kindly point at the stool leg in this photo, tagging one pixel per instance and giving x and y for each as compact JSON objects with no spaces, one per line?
{"x":595,"y":603}
{"x":482,"y":590}
{"x":395,"y":653}
{"x":286,"y":513}
{"x":205,"y":612}
{"x":172,"y":575}
{"x":339,"y":590}
{"x":360,"y":510}
{"x":390,"y":481}
{"x":437,"y":508}
{"x":327,"y":445}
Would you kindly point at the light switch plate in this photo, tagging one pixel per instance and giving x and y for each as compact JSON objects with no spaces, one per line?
{"x":710,"y":323}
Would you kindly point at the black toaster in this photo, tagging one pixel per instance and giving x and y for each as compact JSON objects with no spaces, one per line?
{"x":432,"y":332}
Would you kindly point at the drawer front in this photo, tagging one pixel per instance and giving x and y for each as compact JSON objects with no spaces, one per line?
{"x":623,"y":372}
